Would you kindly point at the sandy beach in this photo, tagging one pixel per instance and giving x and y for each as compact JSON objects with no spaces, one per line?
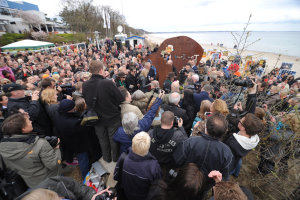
{"x":272,"y":58}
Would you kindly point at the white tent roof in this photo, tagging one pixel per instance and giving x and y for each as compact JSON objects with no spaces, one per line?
{"x":27,"y":44}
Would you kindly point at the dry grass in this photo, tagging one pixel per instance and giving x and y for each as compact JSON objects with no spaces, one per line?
{"x":271,"y":186}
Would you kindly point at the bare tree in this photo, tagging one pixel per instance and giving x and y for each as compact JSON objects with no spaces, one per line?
{"x":242,"y":40}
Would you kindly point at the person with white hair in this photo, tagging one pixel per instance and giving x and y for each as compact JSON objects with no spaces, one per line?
{"x":131,"y":125}
{"x":140,"y":168}
{"x":173,"y":106}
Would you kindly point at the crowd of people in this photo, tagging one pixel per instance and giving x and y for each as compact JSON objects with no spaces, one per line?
{"x":174,"y":142}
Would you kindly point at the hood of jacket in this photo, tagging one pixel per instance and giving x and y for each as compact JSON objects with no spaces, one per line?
{"x":245,"y":142}
{"x":162,"y":135}
{"x":17,"y":146}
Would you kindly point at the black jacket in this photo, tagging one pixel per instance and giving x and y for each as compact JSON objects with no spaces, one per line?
{"x":31,"y":107}
{"x":207,"y":152}
{"x":108,"y":98}
{"x":179,"y":112}
{"x":144,"y":83}
{"x":237,"y":151}
{"x":74,"y":137}
{"x":163,"y":143}
{"x":167,"y":86}
{"x":131,"y":83}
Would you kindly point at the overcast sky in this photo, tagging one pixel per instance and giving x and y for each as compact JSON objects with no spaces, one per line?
{"x":199,"y":15}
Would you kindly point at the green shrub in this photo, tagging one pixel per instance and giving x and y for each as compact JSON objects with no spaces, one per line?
{"x":8,"y":38}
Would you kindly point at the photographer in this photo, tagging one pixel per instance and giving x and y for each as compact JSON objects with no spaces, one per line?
{"x":17,"y":97}
{"x":164,"y":140}
{"x":243,"y":141}
{"x":30,"y":156}
{"x":237,"y":112}
{"x":183,"y":73}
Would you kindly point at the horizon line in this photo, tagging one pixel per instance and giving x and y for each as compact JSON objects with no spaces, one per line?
{"x":153,"y":32}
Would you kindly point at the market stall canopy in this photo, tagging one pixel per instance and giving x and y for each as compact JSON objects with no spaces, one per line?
{"x":27,"y":44}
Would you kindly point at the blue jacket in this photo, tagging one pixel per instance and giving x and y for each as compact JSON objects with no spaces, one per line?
{"x":144,"y":125}
{"x":137,"y":175}
{"x":199,"y":97}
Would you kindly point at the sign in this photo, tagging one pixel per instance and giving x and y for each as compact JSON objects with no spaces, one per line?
{"x":286,"y":71}
{"x":286,"y":65}
{"x":260,"y":72}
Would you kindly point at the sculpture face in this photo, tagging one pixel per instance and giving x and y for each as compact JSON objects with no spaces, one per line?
{"x":182,"y":49}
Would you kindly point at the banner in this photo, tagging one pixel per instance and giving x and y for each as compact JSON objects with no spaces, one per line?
{"x":286,"y":71}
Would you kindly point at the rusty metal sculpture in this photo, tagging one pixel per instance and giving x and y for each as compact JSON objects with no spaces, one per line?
{"x":181,"y":48}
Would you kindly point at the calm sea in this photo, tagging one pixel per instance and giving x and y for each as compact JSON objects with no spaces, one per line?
{"x":286,"y":43}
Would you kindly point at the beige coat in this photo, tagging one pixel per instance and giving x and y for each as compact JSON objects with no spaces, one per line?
{"x":127,"y":107}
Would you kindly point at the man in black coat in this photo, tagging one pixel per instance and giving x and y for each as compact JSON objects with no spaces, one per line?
{"x":107,"y":104}
{"x":164,"y":139}
{"x":173,"y":106}
{"x":17,"y":97}
{"x":17,"y":100}
{"x":206,"y":150}
{"x":131,"y":81}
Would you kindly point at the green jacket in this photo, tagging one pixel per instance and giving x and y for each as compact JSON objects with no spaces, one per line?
{"x":31,"y":157}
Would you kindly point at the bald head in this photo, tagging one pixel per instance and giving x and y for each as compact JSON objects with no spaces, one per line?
{"x":154,"y":84}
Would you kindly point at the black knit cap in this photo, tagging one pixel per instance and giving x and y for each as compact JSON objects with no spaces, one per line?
{"x":66,"y":105}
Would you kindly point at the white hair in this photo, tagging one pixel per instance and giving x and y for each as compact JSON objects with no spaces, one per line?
{"x":141,"y":143}
{"x":195,"y":77}
{"x":174,"y":98}
{"x":130,"y":123}
{"x":175,"y":86}
{"x":137,"y":95}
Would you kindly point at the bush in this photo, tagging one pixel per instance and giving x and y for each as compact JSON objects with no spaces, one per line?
{"x":39,"y":35}
{"x":8,"y":38}
{"x":67,"y":38}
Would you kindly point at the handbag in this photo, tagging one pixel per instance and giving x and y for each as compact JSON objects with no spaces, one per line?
{"x":90,"y":117}
{"x":11,"y":184}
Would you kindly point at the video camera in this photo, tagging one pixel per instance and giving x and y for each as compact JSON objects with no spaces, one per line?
{"x":183,"y":71}
{"x":175,"y":122}
{"x":156,"y":90}
{"x":68,"y":85}
{"x":244,"y":83}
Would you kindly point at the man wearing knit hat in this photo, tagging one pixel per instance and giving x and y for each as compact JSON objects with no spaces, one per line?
{"x":74,"y":138}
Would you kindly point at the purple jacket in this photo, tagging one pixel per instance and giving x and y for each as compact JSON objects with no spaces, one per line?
{"x":10,"y":71}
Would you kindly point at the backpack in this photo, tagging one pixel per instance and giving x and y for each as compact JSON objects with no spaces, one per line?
{"x":11,"y":184}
